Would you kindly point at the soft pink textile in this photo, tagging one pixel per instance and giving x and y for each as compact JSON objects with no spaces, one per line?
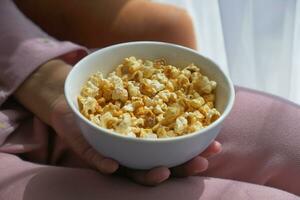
{"x":260,"y":159}
{"x":24,"y":47}
{"x":261,"y":141}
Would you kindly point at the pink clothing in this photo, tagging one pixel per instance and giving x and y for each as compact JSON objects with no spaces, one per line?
{"x":260,"y":158}
{"x":24,"y":47}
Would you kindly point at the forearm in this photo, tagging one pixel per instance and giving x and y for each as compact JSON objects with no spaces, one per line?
{"x":43,"y":88}
{"x":85,"y":22}
{"x":98,"y":23}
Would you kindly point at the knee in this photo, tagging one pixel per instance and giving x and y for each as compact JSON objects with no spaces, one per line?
{"x":144,"y":20}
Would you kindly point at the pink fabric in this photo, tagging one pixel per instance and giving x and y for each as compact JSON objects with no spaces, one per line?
{"x":260,"y":158}
{"x":24,"y":47}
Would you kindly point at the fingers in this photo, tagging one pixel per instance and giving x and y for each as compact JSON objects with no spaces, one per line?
{"x":150,"y":178}
{"x":198,"y":164}
{"x":191,"y":168}
{"x":65,"y":126}
{"x":87,"y":153}
{"x":214,"y":148}
{"x":104,"y":165}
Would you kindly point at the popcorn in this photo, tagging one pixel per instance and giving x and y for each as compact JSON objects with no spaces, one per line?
{"x":192,"y":68}
{"x":157,"y":85}
{"x":204,"y":109}
{"x":106,"y":89}
{"x":115,"y":80}
{"x":210,"y":104}
{"x":138,"y":122}
{"x":209,"y":97}
{"x":161,"y":77}
{"x":88,"y":104}
{"x":136,"y":76}
{"x":134,"y":91}
{"x":197,"y":103}
{"x":180,"y":124}
{"x":171,"y":114}
{"x":90,"y":91}
{"x":157,"y":109}
{"x":96,"y":79}
{"x":170,"y":86}
{"x":146,"y":87}
{"x":105,"y":121}
{"x":150,"y":119}
{"x":212,"y":115}
{"x":160,"y":117}
{"x":128,"y":107}
{"x":196,"y":126}
{"x":148,"y":134}
{"x":183,"y":81}
{"x":164,"y":95}
{"x":148,"y":69}
{"x":120,"y":93}
{"x":125,"y":125}
{"x":130,"y":134}
{"x":149,"y":99}
{"x":203,"y":84}
{"x":132,"y":63}
{"x":171,"y":71}
{"x":186,"y":73}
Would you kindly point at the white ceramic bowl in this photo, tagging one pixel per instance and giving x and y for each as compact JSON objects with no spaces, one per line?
{"x":140,"y":153}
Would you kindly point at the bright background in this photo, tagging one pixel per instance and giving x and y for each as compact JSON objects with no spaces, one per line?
{"x":257,"y":42}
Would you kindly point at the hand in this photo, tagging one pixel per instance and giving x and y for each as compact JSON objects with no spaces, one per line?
{"x":49,"y":104}
{"x":160,"y":174}
{"x":63,"y":122}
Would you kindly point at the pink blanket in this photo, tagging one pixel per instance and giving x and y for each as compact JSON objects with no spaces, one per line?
{"x":261,"y":140}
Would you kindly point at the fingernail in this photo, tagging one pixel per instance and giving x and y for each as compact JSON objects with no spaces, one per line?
{"x":158,"y":175}
{"x":203,"y":163}
{"x":108,"y":166}
{"x":219,"y":146}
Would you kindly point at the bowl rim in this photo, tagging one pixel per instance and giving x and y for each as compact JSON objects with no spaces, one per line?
{"x":227,"y":110}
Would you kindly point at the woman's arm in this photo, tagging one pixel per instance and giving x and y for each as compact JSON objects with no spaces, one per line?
{"x":40,"y":91}
{"x":99,"y":23}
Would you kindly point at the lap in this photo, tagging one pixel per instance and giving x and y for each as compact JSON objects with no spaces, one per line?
{"x":28,"y":181}
{"x":260,"y":142}
{"x":260,"y":145}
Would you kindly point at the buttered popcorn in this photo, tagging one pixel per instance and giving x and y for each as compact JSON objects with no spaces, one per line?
{"x":148,"y":99}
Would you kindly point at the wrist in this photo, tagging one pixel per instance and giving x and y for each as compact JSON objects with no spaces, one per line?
{"x":43,"y":88}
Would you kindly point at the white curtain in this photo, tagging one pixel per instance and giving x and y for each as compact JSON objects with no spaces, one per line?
{"x":257,"y":42}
